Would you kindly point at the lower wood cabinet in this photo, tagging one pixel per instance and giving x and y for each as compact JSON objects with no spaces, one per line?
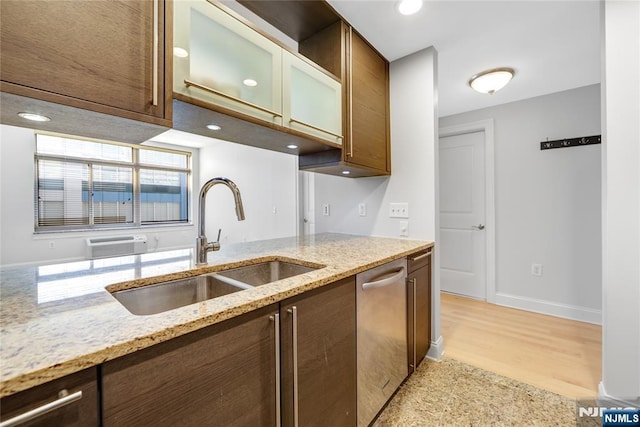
{"x":223,"y":375}
{"x":319,"y":356}
{"x":227,"y":374}
{"x":418,"y":307}
{"x":74,"y":397}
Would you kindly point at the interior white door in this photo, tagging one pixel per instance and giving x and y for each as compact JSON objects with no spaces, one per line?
{"x":462,"y":215}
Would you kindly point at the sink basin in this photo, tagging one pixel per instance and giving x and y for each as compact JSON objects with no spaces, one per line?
{"x":165,"y":296}
{"x":265,"y":272}
{"x":152,"y":299}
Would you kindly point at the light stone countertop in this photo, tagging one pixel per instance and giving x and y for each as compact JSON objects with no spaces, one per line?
{"x":59,"y":319}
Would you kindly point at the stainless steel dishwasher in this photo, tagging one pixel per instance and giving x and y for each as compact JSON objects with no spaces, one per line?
{"x":381,"y":300}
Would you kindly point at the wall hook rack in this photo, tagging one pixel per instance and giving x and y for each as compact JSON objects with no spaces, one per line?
{"x":570,"y":142}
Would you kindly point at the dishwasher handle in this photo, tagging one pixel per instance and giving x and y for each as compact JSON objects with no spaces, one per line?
{"x":397,"y":275}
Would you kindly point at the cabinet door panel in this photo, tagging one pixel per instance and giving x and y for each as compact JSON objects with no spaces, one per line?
{"x":420,"y":314}
{"x":221,"y":375}
{"x":96,"y":51}
{"x":80,"y":413}
{"x":312,"y":101}
{"x":369,"y":106}
{"x":326,"y":344}
{"x":231,"y":65}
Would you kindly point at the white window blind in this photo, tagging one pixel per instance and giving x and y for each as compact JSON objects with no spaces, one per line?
{"x":84,"y":184}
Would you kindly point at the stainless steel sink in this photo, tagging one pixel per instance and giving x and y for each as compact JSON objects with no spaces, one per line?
{"x":265,"y":272}
{"x":152,"y":299}
{"x":165,"y":296}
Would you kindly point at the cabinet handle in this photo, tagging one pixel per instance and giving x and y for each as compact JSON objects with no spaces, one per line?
{"x":315,"y":127}
{"x":189,"y":83}
{"x":398,"y":274}
{"x":415,"y":313}
{"x":276,"y":326}
{"x":156,"y":37}
{"x":350,"y":75}
{"x":419,"y":257}
{"x":64,"y":399}
{"x":294,"y":314}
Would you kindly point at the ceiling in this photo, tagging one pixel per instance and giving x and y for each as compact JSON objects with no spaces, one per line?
{"x":552,"y":45}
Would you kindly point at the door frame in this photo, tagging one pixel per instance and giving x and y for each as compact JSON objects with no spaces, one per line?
{"x":485,"y":126}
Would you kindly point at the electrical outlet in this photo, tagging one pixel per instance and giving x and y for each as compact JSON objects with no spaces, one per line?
{"x":404,"y":228}
{"x":274,"y":210}
{"x":362,"y":209}
{"x":536,"y":270}
{"x":399,"y":210}
{"x":326,"y":209}
{"x":52,"y":245}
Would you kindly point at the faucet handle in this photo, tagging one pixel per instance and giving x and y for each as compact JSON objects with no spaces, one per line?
{"x":215,"y":246}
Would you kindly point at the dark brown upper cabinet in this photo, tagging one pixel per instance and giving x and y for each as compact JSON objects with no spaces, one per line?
{"x":106,"y":57}
{"x":327,"y":40}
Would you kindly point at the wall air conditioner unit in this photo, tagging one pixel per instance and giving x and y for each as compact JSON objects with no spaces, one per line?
{"x":104,"y":247}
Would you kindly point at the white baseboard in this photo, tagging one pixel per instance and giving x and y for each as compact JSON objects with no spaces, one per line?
{"x":603,"y":396}
{"x":436,"y":350}
{"x":582,"y":314}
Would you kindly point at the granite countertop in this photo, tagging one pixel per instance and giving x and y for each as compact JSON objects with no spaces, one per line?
{"x":59,"y":319}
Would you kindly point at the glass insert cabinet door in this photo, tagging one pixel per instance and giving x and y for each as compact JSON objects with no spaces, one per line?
{"x":220,"y":60}
{"x":312,"y":100}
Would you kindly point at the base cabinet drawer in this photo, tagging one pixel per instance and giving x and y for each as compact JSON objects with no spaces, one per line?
{"x":69,"y":401}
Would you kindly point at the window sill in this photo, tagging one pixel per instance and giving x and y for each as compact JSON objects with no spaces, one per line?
{"x":109,"y":230}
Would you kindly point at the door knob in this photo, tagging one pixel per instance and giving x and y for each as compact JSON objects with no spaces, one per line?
{"x":478,"y":227}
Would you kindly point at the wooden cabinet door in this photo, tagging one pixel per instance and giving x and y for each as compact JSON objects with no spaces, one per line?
{"x":222,"y":375}
{"x":326,"y":356}
{"x":81,"y":391}
{"x":369,"y":116}
{"x":88,"y":54}
{"x":419,"y":309}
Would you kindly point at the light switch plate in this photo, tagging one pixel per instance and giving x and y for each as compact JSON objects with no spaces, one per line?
{"x":362,"y":209}
{"x":399,"y":210}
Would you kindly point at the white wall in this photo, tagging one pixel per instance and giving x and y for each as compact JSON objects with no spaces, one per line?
{"x":413,"y":106}
{"x":621,"y":203}
{"x":268,"y":184}
{"x":19,"y":244}
{"x":547,"y":203}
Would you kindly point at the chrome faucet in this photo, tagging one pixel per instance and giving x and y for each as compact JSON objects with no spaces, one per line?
{"x":202,"y":246}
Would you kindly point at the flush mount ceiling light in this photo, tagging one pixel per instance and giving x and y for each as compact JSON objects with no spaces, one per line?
{"x":346,"y":172}
{"x":34,"y":117}
{"x":292,"y":146}
{"x":250,"y":82}
{"x":491,"y":81}
{"x":409,"y":7}
{"x":213,"y":126}
{"x":180,"y":52}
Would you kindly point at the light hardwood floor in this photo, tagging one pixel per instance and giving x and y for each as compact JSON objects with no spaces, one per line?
{"x":559,"y":355}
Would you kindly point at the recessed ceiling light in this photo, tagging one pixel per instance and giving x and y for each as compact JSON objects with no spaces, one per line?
{"x":409,"y":7}
{"x":180,"y":52}
{"x":213,"y":126}
{"x":250,"y":82}
{"x":34,"y":117}
{"x":292,"y":146}
{"x":346,"y":172}
{"x":491,"y":81}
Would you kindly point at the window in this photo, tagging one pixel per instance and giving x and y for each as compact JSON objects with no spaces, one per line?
{"x":90,"y":185}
